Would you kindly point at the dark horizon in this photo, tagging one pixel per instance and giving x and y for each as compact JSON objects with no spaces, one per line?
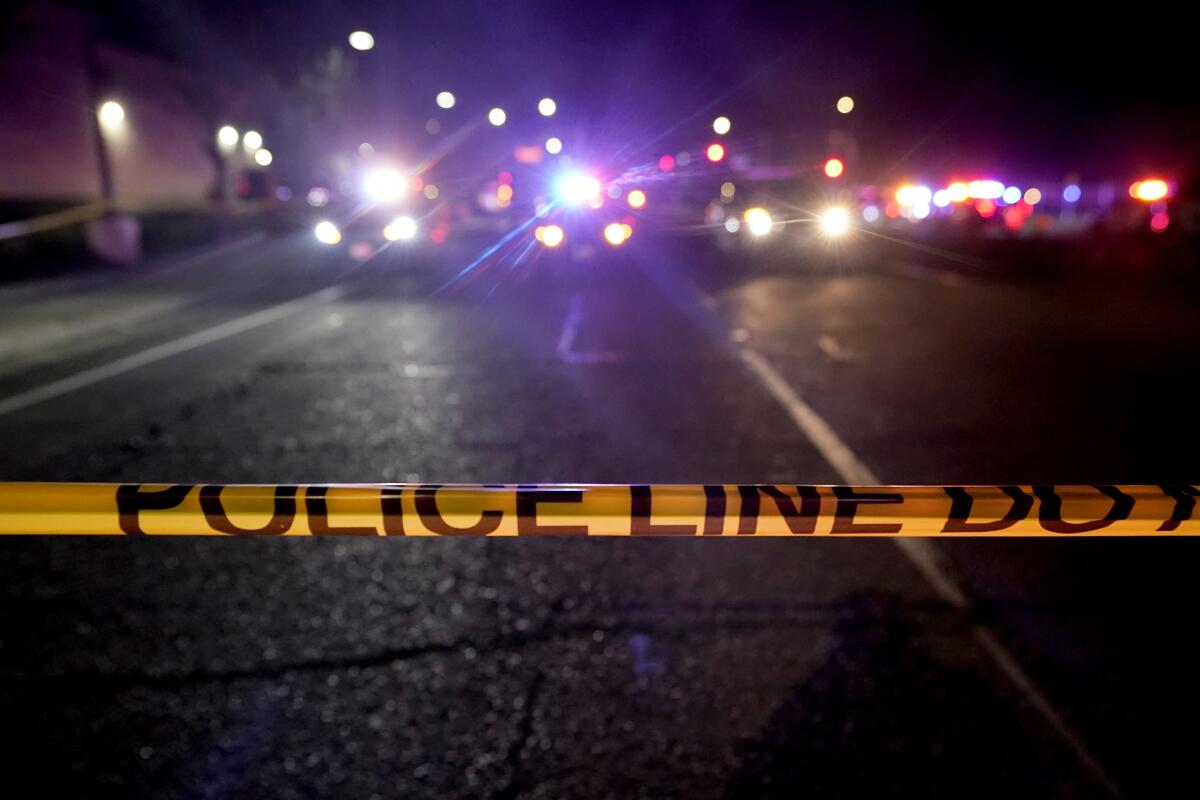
{"x":1030,"y":94}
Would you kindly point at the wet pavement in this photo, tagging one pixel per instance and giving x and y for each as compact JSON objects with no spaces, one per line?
{"x":493,"y":668}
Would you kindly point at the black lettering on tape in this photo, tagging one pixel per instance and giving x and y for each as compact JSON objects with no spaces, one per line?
{"x":1050,"y":514}
{"x":528,"y":498}
{"x":802,"y":520}
{"x":960,"y":511}
{"x":848,"y":502}
{"x":392,"y":509}
{"x":282,"y":514}
{"x":318,"y":516}
{"x":714,"y":510}
{"x":640,"y":524}
{"x":131,"y":501}
{"x":1185,"y":504}
{"x":431,"y":518}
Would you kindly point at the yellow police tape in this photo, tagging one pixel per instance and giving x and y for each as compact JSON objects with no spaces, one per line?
{"x":596,"y":510}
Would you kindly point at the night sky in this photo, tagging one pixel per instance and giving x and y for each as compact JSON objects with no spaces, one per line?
{"x":1011,"y":87}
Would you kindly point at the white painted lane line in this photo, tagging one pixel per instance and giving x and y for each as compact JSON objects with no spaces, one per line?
{"x":828,"y":444}
{"x":924,"y":554}
{"x":570,"y":330}
{"x":233,"y":327}
{"x":70,"y":324}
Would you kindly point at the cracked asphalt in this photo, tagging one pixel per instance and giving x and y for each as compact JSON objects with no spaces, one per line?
{"x":483,"y":668}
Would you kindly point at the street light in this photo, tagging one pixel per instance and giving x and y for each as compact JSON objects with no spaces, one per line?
{"x":497,"y":116}
{"x":111,"y":114}
{"x":445,"y":100}
{"x":227,"y":138}
{"x":554,"y":145}
{"x":263,"y":157}
{"x":252,"y":140}
{"x":361,"y":40}
{"x":721,"y":125}
{"x":547,"y":107}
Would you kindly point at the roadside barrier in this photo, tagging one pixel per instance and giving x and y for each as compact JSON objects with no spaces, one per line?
{"x":595,"y":510}
{"x":98,"y":208}
{"x":57,"y":219}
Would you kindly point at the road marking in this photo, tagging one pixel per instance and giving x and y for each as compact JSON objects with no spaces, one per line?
{"x":924,"y":555}
{"x":77,"y":331}
{"x":830,"y":346}
{"x":570,"y":330}
{"x":918,"y":272}
{"x":89,"y":377}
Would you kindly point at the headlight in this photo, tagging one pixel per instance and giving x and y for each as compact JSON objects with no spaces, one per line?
{"x":400,"y":229}
{"x":549,"y":235}
{"x":834,"y":222}
{"x":327,"y":233}
{"x":758,"y":221}
{"x":616,"y":233}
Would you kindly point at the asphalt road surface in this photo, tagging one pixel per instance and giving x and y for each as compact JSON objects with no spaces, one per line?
{"x":607,"y":668}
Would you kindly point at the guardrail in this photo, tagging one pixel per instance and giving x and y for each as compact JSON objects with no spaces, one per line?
{"x":48,"y":222}
{"x":94,"y":210}
{"x":595,"y":510}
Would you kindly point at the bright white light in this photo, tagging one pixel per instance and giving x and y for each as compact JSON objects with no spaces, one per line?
{"x":758,"y":221}
{"x":910,"y":195}
{"x":835,"y":221}
{"x":733,"y":225}
{"x":263,"y":157}
{"x":361,"y":40}
{"x":318,"y":197}
{"x":871,"y":213}
{"x":497,"y":116}
{"x":445,"y":100}
{"x":547,"y":107}
{"x":615,"y":232}
{"x":327,"y":233}
{"x":941,"y":198}
{"x":251,"y":141}
{"x":845,"y":104}
{"x":228,"y":137}
{"x":111,"y":114}
{"x":551,"y":235}
{"x":553,"y":145}
{"x":721,"y":125}
{"x":921,"y":210}
{"x":400,"y":229}
{"x":985,"y":190}
{"x":576,"y":188}
{"x":1011,"y":194}
{"x":958,"y":192}
{"x":384,"y":185}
